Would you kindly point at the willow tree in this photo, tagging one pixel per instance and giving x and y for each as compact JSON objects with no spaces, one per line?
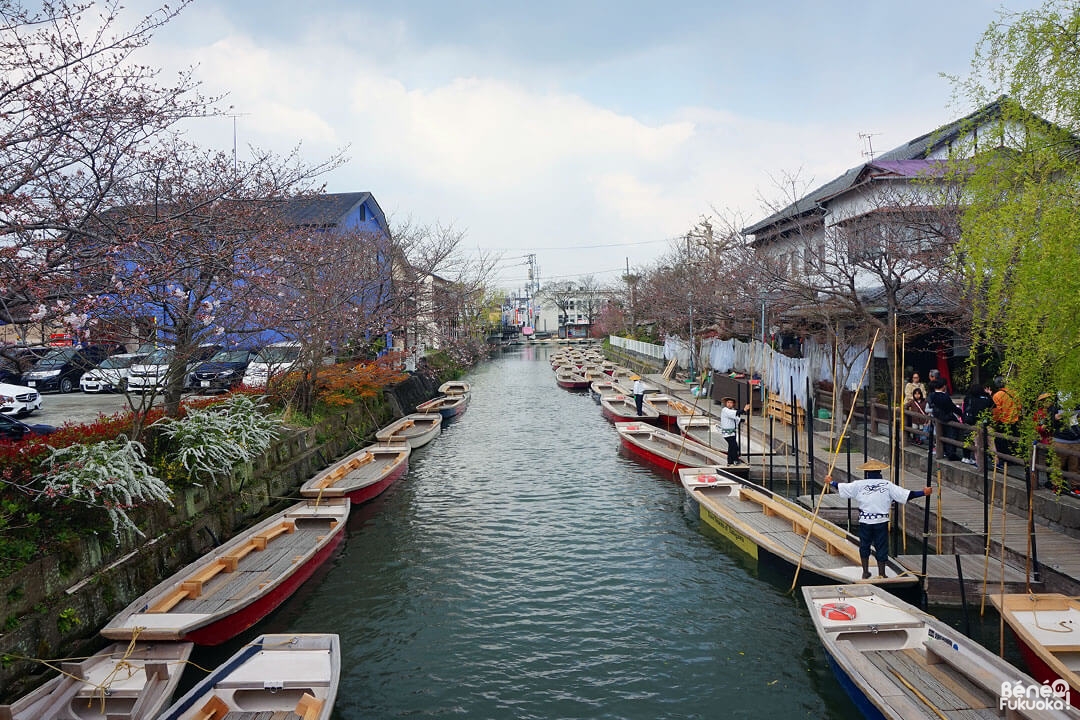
{"x":1020,"y":238}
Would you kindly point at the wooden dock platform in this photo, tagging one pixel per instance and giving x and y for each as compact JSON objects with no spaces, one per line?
{"x":958,"y":530}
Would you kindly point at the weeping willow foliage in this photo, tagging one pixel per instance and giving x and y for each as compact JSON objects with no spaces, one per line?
{"x":1020,"y":231}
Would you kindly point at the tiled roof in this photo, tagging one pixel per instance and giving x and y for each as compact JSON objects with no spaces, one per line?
{"x":913,"y":150}
{"x":322,"y":210}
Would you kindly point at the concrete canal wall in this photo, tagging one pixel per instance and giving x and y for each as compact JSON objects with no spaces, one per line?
{"x":55,"y":606}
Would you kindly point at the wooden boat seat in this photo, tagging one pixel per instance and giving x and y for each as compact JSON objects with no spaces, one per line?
{"x":979,"y":675}
{"x":215,"y":709}
{"x":834,"y":544}
{"x":309,"y":707}
{"x":345,"y":468}
{"x":192,"y":587}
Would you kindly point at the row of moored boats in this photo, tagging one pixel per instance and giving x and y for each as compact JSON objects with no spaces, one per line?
{"x":227,"y":591}
{"x":893,"y":659}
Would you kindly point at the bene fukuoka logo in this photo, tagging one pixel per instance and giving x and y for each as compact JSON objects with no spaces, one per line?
{"x":1048,"y":696}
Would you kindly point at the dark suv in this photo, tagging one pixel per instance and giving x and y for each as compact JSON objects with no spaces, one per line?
{"x":18,"y":359}
{"x":62,"y":367}
{"x":222,"y":372}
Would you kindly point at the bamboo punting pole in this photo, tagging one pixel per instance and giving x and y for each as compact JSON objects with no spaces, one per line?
{"x":989,"y":527}
{"x":1001,"y":587}
{"x":832,"y":466}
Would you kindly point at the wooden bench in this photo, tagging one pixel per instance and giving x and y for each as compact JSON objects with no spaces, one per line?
{"x":192,"y":587}
{"x":800,"y":524}
{"x":342,"y":470}
{"x":215,"y":709}
{"x":309,"y":707}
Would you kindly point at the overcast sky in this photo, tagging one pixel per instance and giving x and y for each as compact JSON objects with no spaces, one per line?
{"x":588,"y":133}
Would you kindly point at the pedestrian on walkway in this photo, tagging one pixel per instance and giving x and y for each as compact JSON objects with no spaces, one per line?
{"x":1006,"y":419}
{"x":729,"y":428}
{"x":639,"y":393}
{"x":945,"y":411}
{"x":875,"y":497}
{"x":977,"y":407}
{"x":911,"y":387}
{"x":917,"y":406}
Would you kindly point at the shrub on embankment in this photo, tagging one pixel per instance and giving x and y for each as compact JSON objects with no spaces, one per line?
{"x":79,"y":574}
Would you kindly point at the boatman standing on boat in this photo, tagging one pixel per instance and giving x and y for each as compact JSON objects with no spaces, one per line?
{"x":875,"y":497}
{"x":729,"y":428}
{"x":639,"y":393}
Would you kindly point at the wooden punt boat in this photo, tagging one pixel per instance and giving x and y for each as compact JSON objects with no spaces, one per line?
{"x":127,"y":681}
{"x":275,"y":676}
{"x":896,"y":661}
{"x":627,"y":387}
{"x":772,"y":531}
{"x":704,"y":429}
{"x":362,"y":476}
{"x":571,"y":379}
{"x":455,"y":387}
{"x":599,"y":389}
{"x":1047,"y":630}
{"x":417,"y":430}
{"x":231,"y":588}
{"x":664,"y":449}
{"x":448,"y":406}
{"x":621,"y":408}
{"x":670,"y":408}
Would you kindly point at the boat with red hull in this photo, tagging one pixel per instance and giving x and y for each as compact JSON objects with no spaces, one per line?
{"x":571,"y":379}
{"x":621,"y":408}
{"x":670,"y":409}
{"x":666,"y":450}
{"x":231,"y":588}
{"x":1047,"y":631}
{"x":362,"y":476}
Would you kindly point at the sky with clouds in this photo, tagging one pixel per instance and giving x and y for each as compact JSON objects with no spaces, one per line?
{"x":588,"y":133}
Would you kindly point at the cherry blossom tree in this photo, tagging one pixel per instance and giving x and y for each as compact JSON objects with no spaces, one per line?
{"x":76,"y":112}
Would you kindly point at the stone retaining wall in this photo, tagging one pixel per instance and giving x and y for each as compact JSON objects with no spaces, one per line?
{"x":55,"y":606}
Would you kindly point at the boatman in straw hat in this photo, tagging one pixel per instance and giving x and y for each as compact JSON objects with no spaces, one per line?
{"x":639,"y":393}
{"x":729,"y":428}
{"x":875,"y":497}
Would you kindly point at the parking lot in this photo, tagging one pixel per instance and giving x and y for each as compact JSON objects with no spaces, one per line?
{"x":77,"y":407}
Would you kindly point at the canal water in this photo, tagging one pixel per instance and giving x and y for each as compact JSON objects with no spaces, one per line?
{"x":526,"y":568}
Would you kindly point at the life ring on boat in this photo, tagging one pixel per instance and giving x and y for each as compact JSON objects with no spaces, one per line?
{"x":838,"y":611}
{"x":707,"y":478}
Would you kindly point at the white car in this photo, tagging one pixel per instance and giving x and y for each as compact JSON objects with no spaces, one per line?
{"x":111,"y":375}
{"x":271,"y":361}
{"x":151,"y":372}
{"x":18,"y":400}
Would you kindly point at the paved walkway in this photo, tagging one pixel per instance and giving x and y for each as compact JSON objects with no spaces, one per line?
{"x":961,"y":515}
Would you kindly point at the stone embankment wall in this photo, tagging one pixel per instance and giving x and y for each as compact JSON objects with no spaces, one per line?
{"x":55,"y":606}
{"x":633,"y":361}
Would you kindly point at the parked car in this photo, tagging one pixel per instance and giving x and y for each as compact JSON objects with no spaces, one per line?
{"x":222,"y":372}
{"x":18,"y":400}
{"x":62,"y":367}
{"x":18,"y":359}
{"x":152,"y":371}
{"x":111,"y":375}
{"x":271,"y":361}
{"x":15,"y":430}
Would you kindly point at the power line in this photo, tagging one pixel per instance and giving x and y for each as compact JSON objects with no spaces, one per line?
{"x":605,"y":245}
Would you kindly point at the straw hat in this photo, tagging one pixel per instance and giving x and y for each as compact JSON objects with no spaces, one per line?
{"x":872,"y":464}
{"x":635,"y":377}
{"x":728,"y":397}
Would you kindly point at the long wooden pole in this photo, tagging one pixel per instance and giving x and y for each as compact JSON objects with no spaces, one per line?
{"x":989,"y":527}
{"x":832,"y":465}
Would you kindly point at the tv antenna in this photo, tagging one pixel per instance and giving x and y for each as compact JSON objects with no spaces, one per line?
{"x":234,"y":116}
{"x":868,"y":144}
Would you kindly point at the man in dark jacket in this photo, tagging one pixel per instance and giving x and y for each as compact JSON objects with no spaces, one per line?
{"x":977,"y":407}
{"x":943,"y":409}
